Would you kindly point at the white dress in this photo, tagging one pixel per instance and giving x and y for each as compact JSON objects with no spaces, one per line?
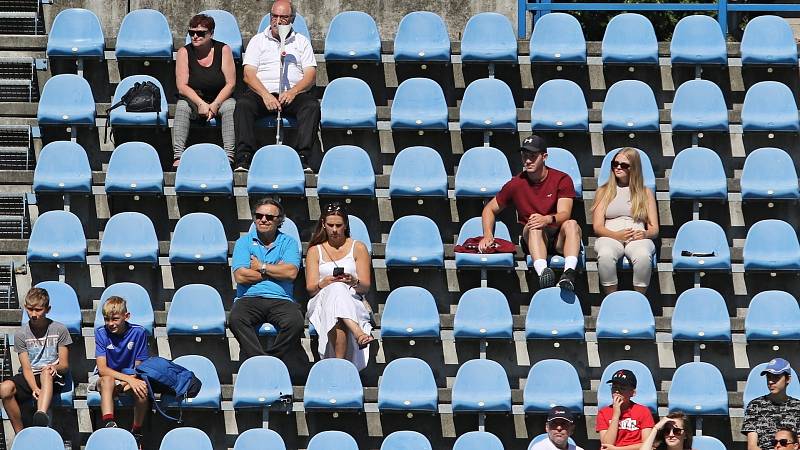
{"x":339,"y":301}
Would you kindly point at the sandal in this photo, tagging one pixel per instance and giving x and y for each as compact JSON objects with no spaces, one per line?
{"x":364,"y":340}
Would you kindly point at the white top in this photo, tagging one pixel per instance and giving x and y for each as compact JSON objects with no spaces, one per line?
{"x":263,"y":53}
{"x":547,"y":444}
{"x":326,"y":267}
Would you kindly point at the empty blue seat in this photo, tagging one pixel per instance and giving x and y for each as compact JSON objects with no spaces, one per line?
{"x":346,"y":170}
{"x":559,"y":105}
{"x":554,"y":313}
{"x":259,"y":439}
{"x":552,"y":382}
{"x":261,"y":381}
{"x":134,"y":168}
{"x":418,"y":172}
{"x":111,"y":438}
{"x":419,"y":104}
{"x":410,"y":312}
{"x":770,"y":106}
{"x":333,"y":384}
{"x":647,"y":169}
{"x":481,"y":172}
{"x":298,"y":26}
{"x":204,"y":170}
{"x":358,"y":231}
{"x":707,"y":443}
{"x":697,"y":174}
{"x":129,"y":237}
{"x":405,"y":440}
{"x":137,"y":300}
{"x":478,"y":440}
{"x":488,"y":104}
{"x":768,"y":40}
{"x":771,"y":245}
{"x":422,"y":36}
{"x":625,"y":315}
{"x":210,"y":394}
{"x":763,"y":324}
{"x":481,"y":385}
{"x":196,"y":309}
{"x":414,"y":241}
{"x":474,"y":228}
{"x":701,"y":315}
{"x":353,"y":36}
{"x":276,"y":169}
{"x":630,"y":39}
{"x":66,"y":100}
{"x":699,"y":106}
{"x":407,"y":384}
{"x":698,"y":39}
{"x":185,"y":438}
{"x":645,"y":387}
{"x":57,"y":236}
{"x":198,"y":238}
{"x":120,"y":116}
{"x":348,"y":103}
{"x":76,"y":32}
{"x":756,"y":385}
{"x":768,"y":174}
{"x":482,"y":313}
{"x":488,"y":37}
{"x":701,"y":245}
{"x":630,"y":106}
{"x":332,"y":440}
{"x":563,"y":160}
{"x":62,"y":167}
{"x":144,"y":33}
{"x":226,"y":29}
{"x":557,"y":38}
{"x":37,"y":438}
{"x":698,"y":387}
{"x":64,"y":305}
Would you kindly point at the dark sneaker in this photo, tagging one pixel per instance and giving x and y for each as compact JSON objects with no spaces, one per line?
{"x":242,"y":163}
{"x":547,"y":278}
{"x":139,"y":438}
{"x":307,"y":168}
{"x":567,"y":280}
{"x":110,"y":424}
{"x":41,"y":419}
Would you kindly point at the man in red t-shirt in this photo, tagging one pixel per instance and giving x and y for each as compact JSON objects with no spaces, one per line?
{"x":623,"y":425}
{"x":543,"y":198}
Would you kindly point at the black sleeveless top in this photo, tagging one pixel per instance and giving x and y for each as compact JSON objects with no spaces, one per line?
{"x":206,"y":81}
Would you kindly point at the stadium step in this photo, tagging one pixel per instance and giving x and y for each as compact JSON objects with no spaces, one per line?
{"x":18,"y":80}
{"x":15,"y":147}
{"x":21,"y":17}
{"x":13,"y":217}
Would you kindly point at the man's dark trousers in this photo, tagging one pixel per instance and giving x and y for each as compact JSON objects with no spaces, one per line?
{"x":249,"y":313}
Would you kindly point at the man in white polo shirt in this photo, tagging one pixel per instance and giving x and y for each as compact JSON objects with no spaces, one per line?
{"x":264,"y":96}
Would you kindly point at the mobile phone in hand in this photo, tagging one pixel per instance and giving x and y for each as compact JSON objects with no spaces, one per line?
{"x":338,"y":271}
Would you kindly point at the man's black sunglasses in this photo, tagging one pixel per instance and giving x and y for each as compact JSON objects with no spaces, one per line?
{"x":198,"y":33}
{"x":269,"y":217}
{"x":782,"y":442}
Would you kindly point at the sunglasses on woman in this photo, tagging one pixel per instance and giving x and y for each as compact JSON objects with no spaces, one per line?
{"x":673,"y":430}
{"x":198,"y":33}
{"x":620,"y":165}
{"x":781,"y":442}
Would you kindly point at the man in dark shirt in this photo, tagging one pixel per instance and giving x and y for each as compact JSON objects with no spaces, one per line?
{"x":764,"y":415}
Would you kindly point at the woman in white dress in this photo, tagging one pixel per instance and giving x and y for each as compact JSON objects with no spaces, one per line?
{"x":338,"y":276}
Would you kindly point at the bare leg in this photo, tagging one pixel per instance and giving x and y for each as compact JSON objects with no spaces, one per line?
{"x":46,"y":394}
{"x":107,"y":387}
{"x":361,"y":337}
{"x":337,"y":337}
{"x":140,"y":408}
{"x":7,"y":391}
{"x":568,"y":242}
{"x":536,"y":244}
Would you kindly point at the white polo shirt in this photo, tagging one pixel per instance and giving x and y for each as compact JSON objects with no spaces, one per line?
{"x":263,"y":53}
{"x":547,"y":444}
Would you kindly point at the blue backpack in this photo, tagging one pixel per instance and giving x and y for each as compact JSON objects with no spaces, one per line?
{"x":166,"y":377}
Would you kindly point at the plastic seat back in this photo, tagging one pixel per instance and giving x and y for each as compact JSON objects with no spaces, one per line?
{"x":770,"y":106}
{"x":134,"y":168}
{"x":196,"y":309}
{"x":626,"y":315}
{"x":226,"y":29}
{"x":348,"y":103}
{"x":298,"y":26}
{"x":276,"y":169}
{"x":771,"y":244}
{"x":564,"y":160}
{"x":185,"y":438}
{"x":198,"y":238}
{"x":419,"y":104}
{"x":111,"y":439}
{"x":559,"y":105}
{"x":120,"y":116}
{"x":482,"y":171}
{"x":405,"y":440}
{"x":488,"y":104}
{"x":699,"y":106}
{"x":544,"y":436}
{"x":211,"y":393}
{"x":647,"y":169}
{"x":418,"y":172}
{"x":144,"y":33}
{"x":64,"y":305}
{"x":630,"y":106}
{"x":414,"y":241}
{"x":701,"y":315}
{"x":66,"y":99}
{"x":333,"y":384}
{"x":137,"y":300}
{"x":76,"y":32}
{"x":204,"y":170}
{"x":407,"y":384}
{"x":630,"y":39}
{"x":698,"y":387}
{"x":358,"y":231}
{"x":707,"y":443}
{"x":554,"y":313}
{"x":701,"y":245}
{"x":422,"y":36}
{"x":410,"y":312}
{"x":557,"y":38}
{"x":769,"y":173}
{"x":488,"y":37}
{"x":38,"y":438}
{"x":482,"y":313}
{"x":478,"y":440}
{"x":550,"y":383}
{"x":57,"y":236}
{"x":474,"y":228}
{"x":261,"y":381}
{"x":756,"y":385}
{"x":481,"y":385}
{"x":698,"y":39}
{"x":645,"y":387}
{"x":63,"y":167}
{"x":697,"y":174}
{"x":258,"y":439}
{"x":346,"y":170}
{"x":768,"y":40}
{"x":353,"y":36}
{"x":332,"y":440}
{"x":129,"y":237}
{"x":761,"y":322}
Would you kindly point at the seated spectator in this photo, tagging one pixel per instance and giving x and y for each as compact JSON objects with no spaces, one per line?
{"x":785,"y":439}
{"x":765,"y":414}
{"x":625,"y":219}
{"x":205,"y":76}
{"x":624,"y":424}
{"x":338,"y":277}
{"x":559,"y":427}
{"x":674,"y":431}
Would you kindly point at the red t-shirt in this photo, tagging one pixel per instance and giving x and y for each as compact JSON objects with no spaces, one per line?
{"x":528,"y":197}
{"x":631,"y":423}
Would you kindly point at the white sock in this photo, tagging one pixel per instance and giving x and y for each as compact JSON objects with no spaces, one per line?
{"x":570,"y":262}
{"x":539,"y":265}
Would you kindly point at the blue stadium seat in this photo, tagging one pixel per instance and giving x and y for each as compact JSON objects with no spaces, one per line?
{"x":332,"y":440}
{"x":37,"y":438}
{"x":120,"y":116}
{"x":557,"y":38}
{"x":481,"y":172}
{"x":563,"y":160}
{"x":699,"y":106}
{"x":185,"y":438}
{"x":559,"y":105}
{"x":410,"y":312}
{"x":706,"y":244}
{"x":358,"y":231}
{"x":769,"y":174}
{"x":129,"y":237}
{"x":630,"y":106}
{"x":333,"y":384}
{"x":204,"y":170}
{"x":474,"y":228}
{"x":768,"y":40}
{"x":353,"y":36}
{"x":407,"y":384}
{"x":482,"y":313}
{"x":770,"y":106}
{"x":64,"y":305}
{"x":422,"y":36}
{"x":756,"y":385}
{"x":259,"y":438}
{"x":261,"y":381}
{"x":405,"y":440}
{"x":198,"y":238}
{"x":414,"y":241}
{"x":196,"y":309}
{"x":134,"y":168}
{"x":346,"y":170}
{"x":488,"y":37}
{"x":698,"y":387}
{"x":348,"y":103}
{"x":76,"y":32}
{"x":771,"y":244}
{"x":57,"y":236}
{"x":544,"y":436}
{"x":137,"y":300}
{"x":698,"y":39}
{"x":226,"y":29}
{"x":481,"y":385}
{"x":630,"y":39}
{"x":419,"y":104}
{"x":701,"y":315}
{"x":66,"y":100}
{"x":647,"y":169}
{"x":62,"y":167}
{"x":763,"y":324}
{"x":697,"y":174}
{"x":144,"y":33}
{"x":276,"y":169}
{"x":488,"y":104}
{"x":111,"y":438}
{"x":645,"y":387}
{"x":478,"y":440}
{"x":211,"y":392}
{"x":707,"y":443}
{"x":625,"y":315}
{"x":299,"y":25}
{"x":418,"y":172}
{"x":554,"y":313}
{"x":552,"y":382}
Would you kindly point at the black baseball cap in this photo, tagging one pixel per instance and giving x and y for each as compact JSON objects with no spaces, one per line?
{"x":534,"y":144}
{"x":560,"y":412}
{"x":623,"y":377}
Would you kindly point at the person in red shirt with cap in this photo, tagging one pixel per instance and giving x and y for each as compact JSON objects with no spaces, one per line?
{"x":624,"y":424}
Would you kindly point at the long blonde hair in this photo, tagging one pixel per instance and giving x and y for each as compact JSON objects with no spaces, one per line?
{"x":606,"y":193}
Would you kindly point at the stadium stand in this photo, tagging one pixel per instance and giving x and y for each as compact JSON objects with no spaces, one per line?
{"x":558,"y":38}
{"x":768,"y":40}
{"x":353,"y":36}
{"x":698,"y":40}
{"x":400,"y":440}
{"x":488,"y":37}
{"x":407,"y":385}
{"x":482,"y":171}
{"x":630,"y":106}
{"x":630,"y":39}
{"x":144,"y":33}
{"x":482,"y":313}
{"x":422,"y":37}
{"x":418,"y":172}
{"x":550,"y":383}
{"x":276,"y":169}
{"x":410,"y":312}
{"x":419,"y":104}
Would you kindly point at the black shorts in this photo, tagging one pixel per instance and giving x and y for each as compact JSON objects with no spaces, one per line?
{"x":24,"y":391}
{"x":550,"y":237}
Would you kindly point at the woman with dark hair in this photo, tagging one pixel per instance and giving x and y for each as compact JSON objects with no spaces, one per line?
{"x":338,"y":276}
{"x":674,"y":431}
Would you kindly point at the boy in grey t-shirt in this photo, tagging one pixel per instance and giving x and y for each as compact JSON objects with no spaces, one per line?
{"x":44,"y":358}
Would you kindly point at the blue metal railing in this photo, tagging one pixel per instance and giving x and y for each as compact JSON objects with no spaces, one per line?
{"x":721,"y":7}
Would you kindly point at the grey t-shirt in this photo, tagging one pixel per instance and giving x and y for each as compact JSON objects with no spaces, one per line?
{"x":41,"y":350}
